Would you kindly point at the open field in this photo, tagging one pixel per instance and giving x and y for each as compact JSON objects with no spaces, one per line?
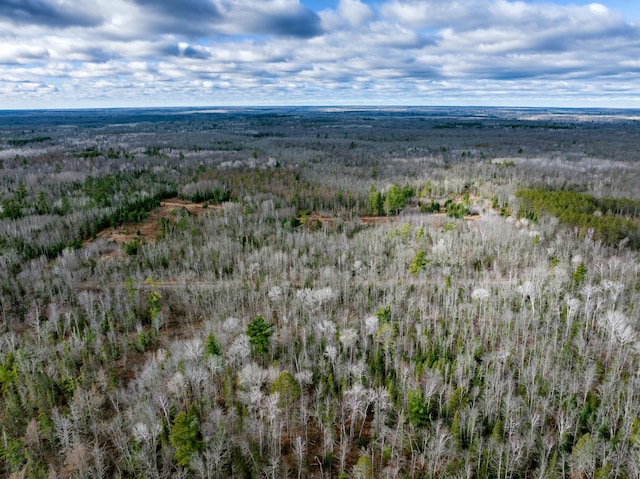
{"x":308,"y":292}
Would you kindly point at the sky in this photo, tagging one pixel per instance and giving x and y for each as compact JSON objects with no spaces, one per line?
{"x":137,"y":53}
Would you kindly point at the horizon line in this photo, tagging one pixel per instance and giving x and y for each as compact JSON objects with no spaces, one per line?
{"x":314,"y":106}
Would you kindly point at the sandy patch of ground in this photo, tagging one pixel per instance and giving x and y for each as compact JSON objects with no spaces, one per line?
{"x":149,"y":229}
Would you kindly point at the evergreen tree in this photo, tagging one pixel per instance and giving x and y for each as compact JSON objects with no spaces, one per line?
{"x":185,"y":437}
{"x":259,"y":332}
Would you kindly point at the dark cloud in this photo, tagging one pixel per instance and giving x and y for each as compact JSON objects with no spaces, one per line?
{"x":43,"y":12}
{"x":423,"y":72}
{"x":301,"y":23}
{"x":171,"y":50}
{"x":94,"y":54}
{"x":206,"y":18}
{"x":186,"y":17}
{"x":190,"y":51}
{"x":195,"y":10}
{"x":196,"y":53}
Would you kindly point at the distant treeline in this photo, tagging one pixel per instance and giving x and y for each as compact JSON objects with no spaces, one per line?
{"x":611,"y":219}
{"x":25,"y":141}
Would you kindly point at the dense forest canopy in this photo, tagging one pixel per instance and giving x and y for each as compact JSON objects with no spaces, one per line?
{"x":610,"y":220}
{"x":310,"y":292}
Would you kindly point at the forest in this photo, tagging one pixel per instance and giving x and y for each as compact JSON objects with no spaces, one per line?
{"x":320,"y":293}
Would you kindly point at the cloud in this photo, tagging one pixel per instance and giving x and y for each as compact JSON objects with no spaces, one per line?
{"x":197,"y":10}
{"x":46,"y":12}
{"x":300,"y":23}
{"x":355,"y":12}
{"x":20,"y":54}
{"x":269,"y":17}
{"x":184,"y":17}
{"x":196,"y":53}
{"x":507,"y":16}
{"x":269,"y":51}
{"x":206,"y":18}
{"x":432,"y":14}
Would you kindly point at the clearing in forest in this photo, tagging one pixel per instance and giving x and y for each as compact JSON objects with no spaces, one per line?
{"x":149,"y":229}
